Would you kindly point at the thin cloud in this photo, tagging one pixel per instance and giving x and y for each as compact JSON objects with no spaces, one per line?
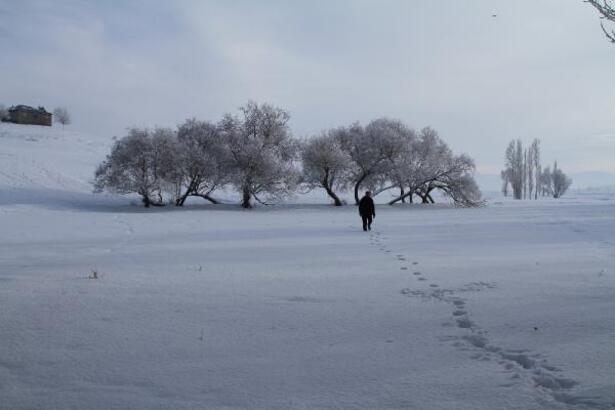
{"x":535,"y":71}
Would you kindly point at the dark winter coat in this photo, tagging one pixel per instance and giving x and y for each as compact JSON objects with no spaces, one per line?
{"x":366,"y":207}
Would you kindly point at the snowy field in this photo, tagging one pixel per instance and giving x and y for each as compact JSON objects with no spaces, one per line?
{"x":510,"y":306}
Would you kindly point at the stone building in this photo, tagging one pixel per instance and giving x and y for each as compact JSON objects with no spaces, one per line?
{"x":23,"y":114}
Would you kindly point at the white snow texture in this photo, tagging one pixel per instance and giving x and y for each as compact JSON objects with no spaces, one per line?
{"x":509,"y":306}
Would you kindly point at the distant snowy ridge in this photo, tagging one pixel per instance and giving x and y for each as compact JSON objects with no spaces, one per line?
{"x":594,"y":181}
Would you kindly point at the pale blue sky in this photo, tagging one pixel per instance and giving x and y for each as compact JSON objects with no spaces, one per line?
{"x":541,"y":68}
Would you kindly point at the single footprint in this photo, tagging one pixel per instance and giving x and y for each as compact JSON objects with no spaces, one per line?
{"x":464,"y":323}
{"x":416,"y":273}
{"x":458,"y":303}
{"x":433,"y":285}
{"x":415,"y":263}
{"x":404,"y":268}
{"x":459,"y":312}
{"x":421,"y":278}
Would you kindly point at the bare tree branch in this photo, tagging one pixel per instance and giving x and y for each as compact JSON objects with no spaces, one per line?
{"x":607,"y":9}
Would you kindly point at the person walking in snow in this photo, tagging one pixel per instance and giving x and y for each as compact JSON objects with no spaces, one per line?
{"x":367,"y":210}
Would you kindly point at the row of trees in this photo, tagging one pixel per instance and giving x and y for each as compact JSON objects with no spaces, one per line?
{"x":387,"y":155}
{"x":523,"y":173}
{"x":255,"y":154}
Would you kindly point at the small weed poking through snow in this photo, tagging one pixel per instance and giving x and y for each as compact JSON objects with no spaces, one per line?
{"x":94,"y":274}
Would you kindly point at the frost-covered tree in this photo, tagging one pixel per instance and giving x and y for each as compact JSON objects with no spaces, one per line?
{"x":518,"y":169}
{"x":401,"y":165}
{"x":4,"y":113}
{"x":459,"y":183}
{"x":455,"y":178}
{"x":61,"y":115}
{"x":514,"y":167}
{"x":202,"y":159}
{"x":371,"y":150}
{"x":505,"y":176}
{"x":561,"y":182}
{"x":433,"y":166}
{"x":523,"y":171}
{"x":325,"y":164}
{"x":606,"y":8}
{"x":142,"y":162}
{"x":423,"y":159}
{"x":546,"y":181}
{"x":261,"y":151}
{"x":535,"y":158}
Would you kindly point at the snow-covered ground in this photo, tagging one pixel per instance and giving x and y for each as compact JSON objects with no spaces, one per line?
{"x":38,"y":157}
{"x":509,"y":306}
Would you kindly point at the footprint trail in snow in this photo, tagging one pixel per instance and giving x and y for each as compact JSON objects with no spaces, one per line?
{"x":530,"y":369}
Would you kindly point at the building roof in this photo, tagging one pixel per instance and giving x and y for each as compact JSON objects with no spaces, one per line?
{"x":21,"y":107}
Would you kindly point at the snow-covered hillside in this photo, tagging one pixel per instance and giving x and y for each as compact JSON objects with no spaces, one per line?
{"x":35,"y":157}
{"x":509,"y":306}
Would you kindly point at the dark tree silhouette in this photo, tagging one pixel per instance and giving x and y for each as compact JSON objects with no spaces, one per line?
{"x":607,"y":10}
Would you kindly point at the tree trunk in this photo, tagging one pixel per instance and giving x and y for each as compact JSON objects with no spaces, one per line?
{"x":428,"y":196}
{"x":209,"y":198}
{"x":399,"y":198}
{"x":333,"y":195}
{"x":147,"y":201}
{"x":246,"y":198}
{"x":180,"y":201}
{"x":356,"y":188}
{"x":356,"y":193}
{"x":401,"y":193}
{"x":327,"y":184}
{"x":190,"y":190}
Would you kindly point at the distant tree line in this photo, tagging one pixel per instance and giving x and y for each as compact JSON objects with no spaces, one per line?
{"x":524,"y":176}
{"x":255,"y":154}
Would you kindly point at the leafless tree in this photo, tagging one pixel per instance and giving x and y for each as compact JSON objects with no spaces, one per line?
{"x":434,"y":167}
{"x":505,"y":176}
{"x":401,"y":165}
{"x":526,"y":176}
{"x":514,"y":167}
{"x":535,"y":160}
{"x":326,"y":164}
{"x":561,"y":182}
{"x":523,"y":171}
{"x":261,"y":152}
{"x":62,"y":116}
{"x":4,"y":113}
{"x":546,"y":181}
{"x":371,"y":149}
{"x":139,"y":163}
{"x":201,"y":161}
{"x":606,"y":8}
{"x":460,"y":185}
